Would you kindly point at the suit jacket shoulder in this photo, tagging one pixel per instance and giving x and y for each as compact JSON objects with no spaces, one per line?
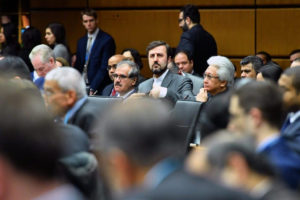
{"x":107,"y":90}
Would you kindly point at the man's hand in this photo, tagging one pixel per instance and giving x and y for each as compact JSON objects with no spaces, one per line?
{"x":202,"y":95}
{"x":154,"y":93}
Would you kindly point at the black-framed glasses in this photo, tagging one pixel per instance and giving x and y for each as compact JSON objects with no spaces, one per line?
{"x":121,"y":76}
{"x":111,"y":66}
{"x":209,"y":76}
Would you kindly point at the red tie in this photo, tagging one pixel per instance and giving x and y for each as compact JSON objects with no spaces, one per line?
{"x":113,"y":92}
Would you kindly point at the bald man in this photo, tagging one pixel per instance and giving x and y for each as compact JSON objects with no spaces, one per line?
{"x":112,"y":63}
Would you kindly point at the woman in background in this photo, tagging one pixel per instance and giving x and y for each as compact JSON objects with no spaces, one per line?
{"x":56,"y":38}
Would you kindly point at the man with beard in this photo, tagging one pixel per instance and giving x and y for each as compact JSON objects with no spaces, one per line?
{"x":195,"y":38}
{"x":164,"y":83}
{"x":125,"y":78}
{"x":289,"y":81}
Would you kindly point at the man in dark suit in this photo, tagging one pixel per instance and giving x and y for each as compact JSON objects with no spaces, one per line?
{"x":111,"y":67}
{"x":66,"y":99}
{"x":289,"y":82}
{"x":93,"y":52}
{"x":164,"y":83}
{"x":257,"y":108}
{"x":195,"y":38}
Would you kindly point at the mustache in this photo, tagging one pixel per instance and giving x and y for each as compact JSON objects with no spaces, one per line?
{"x":156,"y":63}
{"x":118,"y":84}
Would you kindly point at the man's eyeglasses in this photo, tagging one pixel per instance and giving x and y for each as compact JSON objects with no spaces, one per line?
{"x":121,"y":76}
{"x":111,"y":66}
{"x":209,"y":76}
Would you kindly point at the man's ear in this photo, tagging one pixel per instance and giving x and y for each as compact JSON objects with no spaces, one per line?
{"x":256,"y":115}
{"x":71,"y":97}
{"x":122,"y":167}
{"x":188,"y":20}
{"x":238,"y":163}
{"x":223,"y":84}
{"x":134,"y":81}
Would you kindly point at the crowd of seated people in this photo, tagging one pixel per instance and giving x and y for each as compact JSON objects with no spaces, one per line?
{"x":100,"y":130}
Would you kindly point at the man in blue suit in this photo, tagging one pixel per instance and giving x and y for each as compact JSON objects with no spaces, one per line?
{"x":93,"y":52}
{"x":256,"y":108}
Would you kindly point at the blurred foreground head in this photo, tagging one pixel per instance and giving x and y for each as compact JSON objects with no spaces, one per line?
{"x":132,"y":138}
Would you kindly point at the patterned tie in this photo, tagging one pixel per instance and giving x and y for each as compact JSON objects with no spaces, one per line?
{"x":88,"y":48}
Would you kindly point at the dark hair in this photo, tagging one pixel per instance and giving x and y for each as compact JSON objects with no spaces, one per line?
{"x":221,"y":148}
{"x":271,"y":72}
{"x":264,"y":95}
{"x":31,"y":38}
{"x":11,"y":32}
{"x":267,"y":55}
{"x":89,"y":12}
{"x":192,"y":12}
{"x":59,"y":32}
{"x":294,"y":51}
{"x":294,"y":73}
{"x":12,"y":66}
{"x":28,"y":138}
{"x":254,"y":60}
{"x":157,"y":43}
{"x":145,"y":135}
{"x":186,"y":52}
{"x":136,"y":56}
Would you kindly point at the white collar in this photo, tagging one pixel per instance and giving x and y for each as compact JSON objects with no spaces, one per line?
{"x":294,"y":116}
{"x":93,"y":35}
{"x":162,"y":77}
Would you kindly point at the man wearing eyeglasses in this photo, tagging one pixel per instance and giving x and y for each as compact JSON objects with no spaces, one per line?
{"x":250,"y":66}
{"x":218,"y":77}
{"x":125,"y":78}
{"x":111,"y":68}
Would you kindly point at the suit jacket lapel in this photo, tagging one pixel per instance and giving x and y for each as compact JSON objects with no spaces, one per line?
{"x":148,"y":87}
{"x":167,"y":80}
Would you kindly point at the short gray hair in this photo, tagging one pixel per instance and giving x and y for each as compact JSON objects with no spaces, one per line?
{"x":68,"y":78}
{"x":43,"y":51}
{"x":134,"y":69}
{"x":225,"y":68}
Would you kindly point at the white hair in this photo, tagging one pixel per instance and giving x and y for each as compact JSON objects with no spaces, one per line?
{"x":43,"y":51}
{"x":225,"y":68}
{"x":68,"y":78}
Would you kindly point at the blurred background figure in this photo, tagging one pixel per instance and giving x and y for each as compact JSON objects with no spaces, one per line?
{"x":265,"y":57}
{"x":30,"y":38}
{"x":134,"y":56}
{"x":9,"y":39}
{"x":14,"y":67}
{"x":55,"y":36}
{"x":269,"y":72}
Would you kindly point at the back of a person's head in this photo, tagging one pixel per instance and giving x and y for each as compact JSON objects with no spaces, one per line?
{"x":13,"y":66}
{"x":10,"y":31}
{"x":68,"y":78}
{"x":136,"y":56}
{"x":271,"y":72}
{"x":31,"y":38}
{"x":192,"y":12}
{"x":141,"y":128}
{"x":264,"y":95}
{"x":28,"y":138}
{"x":224,"y":144}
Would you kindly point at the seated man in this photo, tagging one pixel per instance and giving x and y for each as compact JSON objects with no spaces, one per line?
{"x":250,"y":66}
{"x":112,"y":63}
{"x":66,"y":98}
{"x":218,"y":77}
{"x":164,"y":83}
{"x":185,"y":64}
{"x":30,"y":146}
{"x":257,"y":108}
{"x":125,"y":78}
